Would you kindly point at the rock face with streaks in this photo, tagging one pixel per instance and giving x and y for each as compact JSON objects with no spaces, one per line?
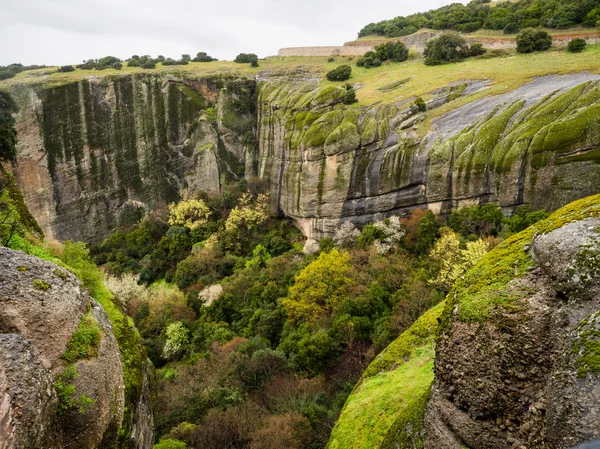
{"x":103,"y":151}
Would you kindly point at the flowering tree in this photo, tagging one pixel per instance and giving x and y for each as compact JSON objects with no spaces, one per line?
{"x":189,"y":212}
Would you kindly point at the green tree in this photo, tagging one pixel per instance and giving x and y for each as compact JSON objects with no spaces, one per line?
{"x":447,"y":48}
{"x":577,"y":45}
{"x":350,"y":96}
{"x":532,"y":39}
{"x":8,"y":133}
{"x":320,"y":287}
{"x":341,"y":73}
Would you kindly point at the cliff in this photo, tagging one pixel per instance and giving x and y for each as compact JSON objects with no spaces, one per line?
{"x":516,"y":354}
{"x":99,"y":152}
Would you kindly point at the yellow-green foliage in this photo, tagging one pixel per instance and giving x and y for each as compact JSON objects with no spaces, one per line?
{"x":84,"y":342}
{"x":250,"y":213}
{"x":189,"y":212}
{"x":386,"y":407}
{"x":41,"y":285}
{"x":320,"y":287}
{"x":488,"y":285}
{"x":454,"y":261}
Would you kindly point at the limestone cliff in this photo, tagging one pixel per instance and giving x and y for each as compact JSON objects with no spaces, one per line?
{"x":101,"y":151}
{"x":517,"y":355}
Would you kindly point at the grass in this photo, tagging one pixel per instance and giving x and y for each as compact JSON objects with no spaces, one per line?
{"x":505,"y":73}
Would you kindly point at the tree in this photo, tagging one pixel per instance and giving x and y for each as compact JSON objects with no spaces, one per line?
{"x":577,"y":45}
{"x":254,"y":63}
{"x":453,"y":260}
{"x":189,"y":212}
{"x":245,"y":58}
{"x":177,"y":338}
{"x":66,"y":68}
{"x":447,"y":48}
{"x":511,"y":28}
{"x":8,"y":133}
{"x":149,"y":65}
{"x":203,"y":57}
{"x":341,"y":73}
{"x":533,"y":39}
{"x":320,"y":287}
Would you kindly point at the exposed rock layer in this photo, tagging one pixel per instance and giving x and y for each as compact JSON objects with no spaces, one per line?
{"x":100,"y":152}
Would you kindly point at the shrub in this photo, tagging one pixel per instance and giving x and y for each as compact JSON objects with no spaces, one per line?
{"x":419,"y":105}
{"x":447,"y":48}
{"x":254,"y":63}
{"x":245,"y":58}
{"x":350,"y":96}
{"x":495,"y":53}
{"x":117,"y":66}
{"x":189,"y":212}
{"x":203,"y":57}
{"x":4,"y":75}
{"x":66,"y":68}
{"x":149,"y":65}
{"x":391,"y":51}
{"x":331,"y":60}
{"x":477,"y":49}
{"x":532,"y":39}
{"x":511,"y":28}
{"x":84,"y":342}
{"x":170,"y":444}
{"x":577,"y":45}
{"x":134,"y":62}
{"x":341,"y":73}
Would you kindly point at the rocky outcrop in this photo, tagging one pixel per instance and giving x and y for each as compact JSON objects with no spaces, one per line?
{"x":103,"y":151}
{"x":517,"y":361}
{"x":517,"y":355}
{"x":62,"y":381}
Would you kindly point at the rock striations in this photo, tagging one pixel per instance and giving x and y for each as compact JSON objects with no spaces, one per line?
{"x":99,"y":152}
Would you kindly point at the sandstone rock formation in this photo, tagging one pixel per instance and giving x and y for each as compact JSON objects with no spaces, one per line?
{"x":49,"y":400}
{"x":102,"y":151}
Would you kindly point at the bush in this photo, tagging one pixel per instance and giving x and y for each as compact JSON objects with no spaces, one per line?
{"x":477,"y":49}
{"x":577,"y":45}
{"x":245,"y":58}
{"x":447,"y":48}
{"x":331,"y":60}
{"x":350,"y":96}
{"x":149,"y":65}
{"x":495,"y":53}
{"x":391,"y":51}
{"x":133,"y":62}
{"x":4,"y":75}
{"x":66,"y":68}
{"x":117,"y":66}
{"x":203,"y":57}
{"x":254,"y":63}
{"x":532,"y":39}
{"x":511,"y":28}
{"x":341,"y":73}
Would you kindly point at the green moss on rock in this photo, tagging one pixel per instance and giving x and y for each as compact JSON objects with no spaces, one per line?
{"x":387,"y":406}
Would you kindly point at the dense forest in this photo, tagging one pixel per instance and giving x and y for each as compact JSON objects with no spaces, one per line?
{"x":478,"y":14}
{"x":258,"y":344}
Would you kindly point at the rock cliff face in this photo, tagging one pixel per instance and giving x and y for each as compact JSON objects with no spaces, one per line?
{"x":517,"y":357}
{"x":59,"y":387}
{"x":101,"y":151}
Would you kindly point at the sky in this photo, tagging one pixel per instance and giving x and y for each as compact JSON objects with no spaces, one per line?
{"x":60,"y":32}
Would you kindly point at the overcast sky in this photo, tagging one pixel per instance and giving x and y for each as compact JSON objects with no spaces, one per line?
{"x":57,"y":32}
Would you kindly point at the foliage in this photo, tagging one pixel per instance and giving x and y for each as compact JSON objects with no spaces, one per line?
{"x":477,"y":49}
{"x":319,"y":288}
{"x":245,"y":58}
{"x":577,"y":45}
{"x":531,"y":39}
{"x":478,"y":220}
{"x":479,"y":14}
{"x":126,"y":288}
{"x":177,"y":338}
{"x":391,"y":231}
{"x":419,"y":105}
{"x":85,"y":341}
{"x":524,"y":217}
{"x":8,"y":133}
{"x":66,"y":68}
{"x":170,"y":444}
{"x":203,"y":57}
{"x":447,"y":48}
{"x":67,"y":395}
{"x":340,"y":73}
{"x":511,"y":28}
{"x":191,"y":213}
{"x":454,"y":261}
{"x":345,"y":235}
{"x":350,"y":96}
